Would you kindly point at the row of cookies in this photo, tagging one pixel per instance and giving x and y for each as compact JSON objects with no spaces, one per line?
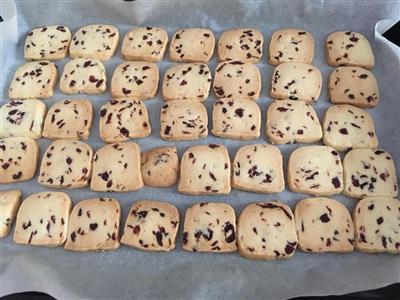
{"x":266,"y":230}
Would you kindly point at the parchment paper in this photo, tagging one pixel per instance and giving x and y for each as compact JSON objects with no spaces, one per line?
{"x":128,"y":273}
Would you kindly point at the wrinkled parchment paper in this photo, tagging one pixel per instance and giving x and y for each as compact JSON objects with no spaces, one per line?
{"x":128,"y":273}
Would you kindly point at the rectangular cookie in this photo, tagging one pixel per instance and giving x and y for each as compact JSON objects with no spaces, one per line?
{"x":9,"y":204}
{"x":210,"y":227}
{"x":151,"y":226}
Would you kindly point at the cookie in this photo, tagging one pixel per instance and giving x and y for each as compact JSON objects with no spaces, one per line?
{"x":210,"y":227}
{"x":160,"y":167}
{"x":94,"y":225}
{"x":123,"y":119}
{"x":315,"y":170}
{"x":296,"y":81}
{"x":192,"y":45}
{"x":244,"y":44}
{"x":236,"y":79}
{"x":369,"y":172}
{"x":33,"y":80}
{"x":183,"y":120}
{"x":187,"y":81}
{"x":266,"y":231}
{"x":258,"y":168}
{"x":18,"y":159}
{"x":151,"y":226}
{"x":83,"y":75}
{"x":376,"y":225}
{"x":96,"y":41}
{"x":323,"y":225}
{"x":66,"y":164}
{"x":144,"y":43}
{"x":22,"y":118}
{"x":42,"y":219}
{"x":292,"y":122}
{"x":116,"y":168}
{"x":69,"y":119}
{"x":236,"y":119}
{"x":353,"y":85}
{"x":349,"y":127}
{"x":348,"y":48}
{"x":9,"y":203}
{"x":136,"y":79}
{"x":291,"y":45}
{"x":47,"y":42}
{"x":205,"y":170}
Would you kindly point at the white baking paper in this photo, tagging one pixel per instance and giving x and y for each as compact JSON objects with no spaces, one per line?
{"x":128,"y":273}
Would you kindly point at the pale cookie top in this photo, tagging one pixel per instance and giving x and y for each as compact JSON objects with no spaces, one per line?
{"x":291,"y":45}
{"x":347,"y":48}
{"x":47,"y":42}
{"x":243,"y":44}
{"x":353,"y":85}
{"x":210,"y":227}
{"x":236,"y":79}
{"x":377,"y":226}
{"x":192,"y":45}
{"x":292,"y":122}
{"x":348,"y":127}
{"x":315,"y":170}
{"x":33,"y":80}
{"x":22,"y":118}
{"x":187,"y":81}
{"x":9,"y":204}
{"x":266,"y":231}
{"x":324,"y":225}
{"x":369,"y":172}
{"x":144,"y":43}
{"x":97,"y":41}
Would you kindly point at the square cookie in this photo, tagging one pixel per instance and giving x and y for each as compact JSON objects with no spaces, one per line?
{"x":183,"y":120}
{"x":18,"y":159}
{"x":187,"y":81}
{"x":144,"y":43}
{"x":160,"y":167}
{"x":9,"y":204}
{"x":123,"y":119}
{"x":66,"y":164}
{"x":22,"y":118}
{"x":315,"y":170}
{"x":244,"y":44}
{"x":83,"y":75}
{"x":323,"y":225}
{"x":348,"y":127}
{"x":42,"y":219}
{"x":292,"y":122}
{"x":236,"y":119}
{"x":47,"y":42}
{"x":192,"y":45}
{"x":266,"y":231}
{"x":210,"y":227}
{"x":94,"y":225}
{"x":69,"y":119}
{"x":236,"y":79}
{"x":291,"y":45}
{"x":33,"y":80}
{"x":258,"y":168}
{"x":376,"y":225}
{"x":296,"y":81}
{"x":96,"y":41}
{"x":353,"y":85}
{"x":205,"y":170}
{"x":348,"y":48}
{"x":136,"y":79}
{"x":116,"y":168}
{"x":369,"y":172}
{"x":151,"y":226}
